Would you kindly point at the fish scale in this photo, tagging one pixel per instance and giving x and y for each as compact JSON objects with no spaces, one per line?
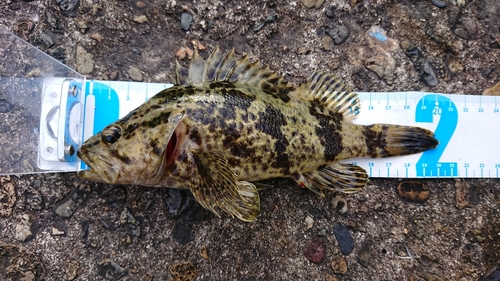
{"x":229,"y":122}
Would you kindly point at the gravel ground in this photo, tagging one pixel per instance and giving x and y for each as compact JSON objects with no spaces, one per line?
{"x":58,"y":227}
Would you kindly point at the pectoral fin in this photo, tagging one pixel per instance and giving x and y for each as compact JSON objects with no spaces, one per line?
{"x":216,"y":186}
{"x":347,"y":178}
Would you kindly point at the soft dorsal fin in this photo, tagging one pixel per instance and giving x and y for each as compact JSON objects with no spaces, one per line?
{"x":231,"y":68}
{"x":333,"y":96}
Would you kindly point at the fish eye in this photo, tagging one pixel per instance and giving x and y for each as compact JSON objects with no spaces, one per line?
{"x":111,"y":134}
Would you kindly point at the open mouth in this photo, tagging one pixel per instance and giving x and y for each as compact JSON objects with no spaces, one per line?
{"x":98,"y":171}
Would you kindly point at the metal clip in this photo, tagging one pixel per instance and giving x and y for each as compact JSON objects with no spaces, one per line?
{"x":60,"y":124}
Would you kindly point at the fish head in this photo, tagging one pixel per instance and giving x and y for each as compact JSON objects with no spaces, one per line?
{"x":134,"y":150}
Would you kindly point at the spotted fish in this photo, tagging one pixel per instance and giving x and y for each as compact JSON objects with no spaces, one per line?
{"x":229,"y":122}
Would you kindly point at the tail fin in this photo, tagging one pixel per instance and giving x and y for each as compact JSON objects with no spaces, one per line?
{"x":384,"y":140}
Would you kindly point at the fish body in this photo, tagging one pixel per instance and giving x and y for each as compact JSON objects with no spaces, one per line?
{"x":229,"y":122}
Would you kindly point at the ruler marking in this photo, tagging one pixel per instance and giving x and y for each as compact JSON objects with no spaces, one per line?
{"x":411,"y":101}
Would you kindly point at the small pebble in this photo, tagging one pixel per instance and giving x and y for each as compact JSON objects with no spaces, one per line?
{"x":84,"y":60}
{"x":308,"y":3}
{"x":322,"y":231}
{"x":140,"y":19}
{"x":186,"y":19}
{"x":182,"y":232}
{"x":340,"y":204}
{"x":493,"y":91}
{"x":453,"y":65}
{"x":177,"y":202}
{"x":84,"y":229}
{"x":383,"y":65}
{"x":71,"y":268}
{"x":23,"y":229}
{"x":135,"y":74}
{"x":319,"y":213}
{"x":269,"y":19}
{"x":106,"y":224}
{"x":68,"y":7}
{"x":57,"y":232}
{"x":97,"y":36}
{"x":5,"y":106}
{"x":48,"y":38}
{"x":139,"y":4}
{"x":183,"y":271}
{"x":339,"y":265}
{"x":413,"y":191}
{"x":487,"y":72}
{"x":421,"y":64}
{"x":111,"y":270}
{"x":439,"y":3}
{"x":330,"y":12}
{"x":51,"y":19}
{"x":315,"y":250}
{"x":344,"y":238}
{"x":204,"y":252}
{"x":418,"y":230}
{"x":83,"y":25}
{"x":327,"y":43}
{"x":184,"y":52}
{"x":339,"y":33}
{"x":68,"y":206}
{"x":198,"y":45}
{"x":117,"y":195}
{"x":364,"y":256}
{"x":467,"y":28}
{"x":308,"y":223}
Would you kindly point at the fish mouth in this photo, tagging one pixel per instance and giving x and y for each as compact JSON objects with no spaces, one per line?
{"x":100,"y":170}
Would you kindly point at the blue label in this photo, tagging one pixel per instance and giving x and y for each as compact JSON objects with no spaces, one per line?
{"x":429,"y":107}
{"x":107,"y":105}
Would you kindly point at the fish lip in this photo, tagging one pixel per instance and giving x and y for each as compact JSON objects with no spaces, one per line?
{"x":95,"y":172}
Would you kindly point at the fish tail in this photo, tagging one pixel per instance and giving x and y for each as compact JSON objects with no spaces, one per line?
{"x":383,"y":140}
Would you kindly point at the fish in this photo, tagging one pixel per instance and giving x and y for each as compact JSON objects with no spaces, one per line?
{"x":228,"y":123}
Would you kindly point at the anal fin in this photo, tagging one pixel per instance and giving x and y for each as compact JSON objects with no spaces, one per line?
{"x":216,"y":186}
{"x":347,"y":178}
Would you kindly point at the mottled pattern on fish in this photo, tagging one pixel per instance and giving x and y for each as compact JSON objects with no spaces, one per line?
{"x":229,"y":122}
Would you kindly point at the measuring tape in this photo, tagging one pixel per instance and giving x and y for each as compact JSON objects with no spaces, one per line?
{"x":466,"y":126}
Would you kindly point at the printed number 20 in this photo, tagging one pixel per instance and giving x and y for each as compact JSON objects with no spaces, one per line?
{"x":428,"y":164}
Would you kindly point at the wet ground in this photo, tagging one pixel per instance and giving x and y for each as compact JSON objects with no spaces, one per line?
{"x":58,"y":227}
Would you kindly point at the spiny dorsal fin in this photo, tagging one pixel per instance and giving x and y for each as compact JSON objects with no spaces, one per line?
{"x":327,"y":91}
{"x":231,"y":68}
